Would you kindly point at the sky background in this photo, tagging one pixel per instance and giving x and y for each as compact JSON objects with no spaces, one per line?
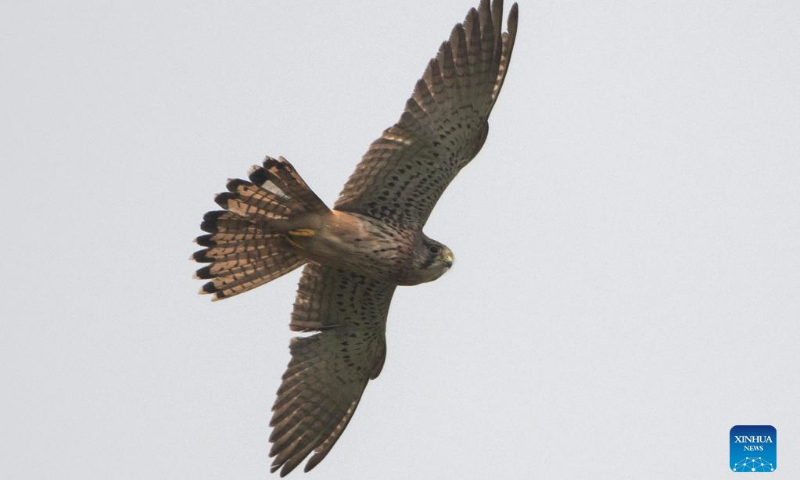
{"x":627,"y":283}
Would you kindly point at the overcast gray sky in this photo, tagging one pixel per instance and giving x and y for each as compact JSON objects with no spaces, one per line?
{"x":628,"y":241}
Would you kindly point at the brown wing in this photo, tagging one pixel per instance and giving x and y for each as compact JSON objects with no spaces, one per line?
{"x":444,"y":125}
{"x":328,"y":371}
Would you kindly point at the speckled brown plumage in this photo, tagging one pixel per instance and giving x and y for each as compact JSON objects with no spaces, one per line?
{"x":328,"y":371}
{"x":372,"y":241}
{"x":444,"y":125}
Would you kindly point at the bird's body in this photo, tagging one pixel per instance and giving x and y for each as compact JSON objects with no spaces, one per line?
{"x":357,"y":253}
{"x":373,"y":248}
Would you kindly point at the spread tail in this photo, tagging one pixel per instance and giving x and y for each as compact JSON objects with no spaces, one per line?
{"x":246,"y":244}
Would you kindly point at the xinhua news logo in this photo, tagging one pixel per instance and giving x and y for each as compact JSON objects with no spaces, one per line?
{"x":754,"y":448}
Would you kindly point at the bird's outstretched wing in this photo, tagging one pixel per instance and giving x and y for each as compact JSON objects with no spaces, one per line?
{"x":444,"y":125}
{"x":328,"y":371}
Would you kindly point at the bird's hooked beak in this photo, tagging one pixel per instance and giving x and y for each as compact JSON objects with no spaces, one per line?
{"x":448,"y":260}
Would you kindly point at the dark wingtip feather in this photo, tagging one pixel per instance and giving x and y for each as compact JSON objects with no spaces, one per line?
{"x":234,"y":183}
{"x":271,"y":166}
{"x":287,"y":469}
{"x":210,"y":221}
{"x":269,"y":162}
{"x":205,"y":241}
{"x":472,"y":29}
{"x":313,"y":462}
{"x":497,"y":18}
{"x":201,"y":256}
{"x":208,"y":288}
{"x":513,"y":19}
{"x":213,"y":215}
{"x":273,"y":436}
{"x":204,"y":273}
{"x":223,"y":198}
{"x":442,"y":47}
{"x":258,"y":175}
{"x":454,"y":33}
{"x":485,"y":15}
{"x":472,"y":14}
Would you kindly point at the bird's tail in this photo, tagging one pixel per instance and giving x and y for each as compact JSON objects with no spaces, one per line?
{"x":246,"y":245}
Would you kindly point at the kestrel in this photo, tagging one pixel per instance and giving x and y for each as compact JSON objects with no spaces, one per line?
{"x":369,"y":243}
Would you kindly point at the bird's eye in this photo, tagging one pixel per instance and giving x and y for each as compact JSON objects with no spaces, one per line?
{"x":434,"y":249}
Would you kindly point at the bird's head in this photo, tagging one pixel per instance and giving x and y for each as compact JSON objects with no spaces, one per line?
{"x":434,"y":259}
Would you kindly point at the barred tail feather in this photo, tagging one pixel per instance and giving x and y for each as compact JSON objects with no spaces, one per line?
{"x":280,"y":177}
{"x":245,"y":246}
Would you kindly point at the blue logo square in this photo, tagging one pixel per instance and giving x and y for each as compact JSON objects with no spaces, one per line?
{"x":754,"y":448}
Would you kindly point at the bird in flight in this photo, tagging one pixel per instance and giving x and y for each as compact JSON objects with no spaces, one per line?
{"x":371,"y":241}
